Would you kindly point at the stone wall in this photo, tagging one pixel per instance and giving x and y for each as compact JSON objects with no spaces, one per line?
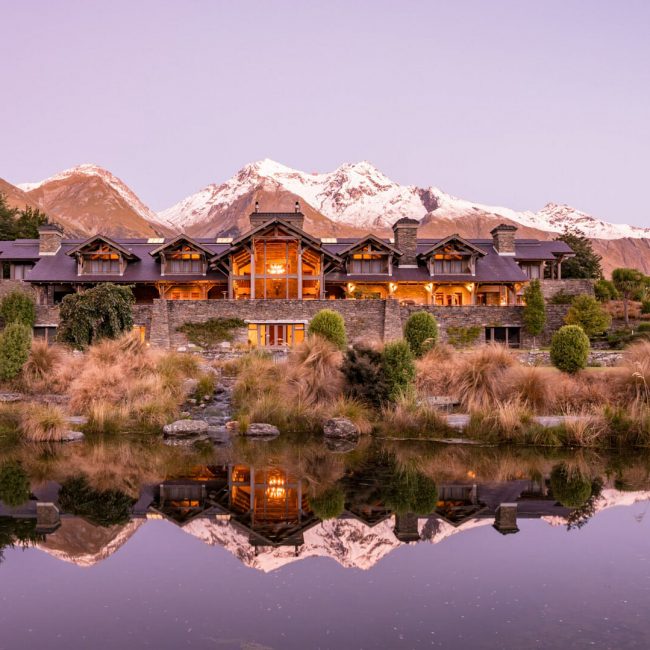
{"x":364,"y":319}
{"x":568,"y":287}
{"x":7,"y":286}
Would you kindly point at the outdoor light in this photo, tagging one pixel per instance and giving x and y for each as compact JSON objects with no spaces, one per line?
{"x":428,"y":287}
{"x":392,"y":286}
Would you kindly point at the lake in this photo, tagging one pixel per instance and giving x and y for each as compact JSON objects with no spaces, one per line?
{"x":286,"y":544}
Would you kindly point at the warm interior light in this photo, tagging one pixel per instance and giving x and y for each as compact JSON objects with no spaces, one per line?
{"x":428,"y":287}
{"x":276,"y":269}
{"x":351,"y":287}
{"x":392,"y":286}
{"x":276,"y":489}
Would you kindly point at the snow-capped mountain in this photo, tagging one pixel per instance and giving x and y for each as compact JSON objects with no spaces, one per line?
{"x":89,"y":199}
{"x":360,"y":196}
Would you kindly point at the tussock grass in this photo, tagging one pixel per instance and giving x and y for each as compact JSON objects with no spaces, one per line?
{"x":38,"y":370}
{"x":408,"y":418}
{"x":43,"y":423}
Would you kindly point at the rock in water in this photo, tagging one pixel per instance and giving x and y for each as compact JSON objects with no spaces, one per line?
{"x":262,"y":429}
{"x":341,"y":428}
{"x":185,"y":428}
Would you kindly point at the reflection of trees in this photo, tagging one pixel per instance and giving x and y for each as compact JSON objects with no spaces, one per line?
{"x":580,"y":516}
{"x":570,"y":486}
{"x":410,"y":491}
{"x":17,"y":532}
{"x":14,"y":484}
{"x":329,"y":504}
{"x":101,"y":507}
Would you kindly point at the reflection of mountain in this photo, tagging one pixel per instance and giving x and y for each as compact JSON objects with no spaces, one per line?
{"x":85,"y":544}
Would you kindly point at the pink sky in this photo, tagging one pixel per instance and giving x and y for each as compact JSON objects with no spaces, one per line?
{"x":504,"y":102}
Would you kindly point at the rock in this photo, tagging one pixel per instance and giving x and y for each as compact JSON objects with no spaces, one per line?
{"x":181,"y":348}
{"x":11,"y":397}
{"x":72,"y":436}
{"x":340,"y":445}
{"x":262,"y":429}
{"x":225,"y":345}
{"x":78,"y":420}
{"x":232,"y":425}
{"x":185,"y":428}
{"x":189,"y":386}
{"x":186,"y":441}
{"x":341,"y":428}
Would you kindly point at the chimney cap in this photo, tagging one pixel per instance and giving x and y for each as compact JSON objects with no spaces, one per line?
{"x":297,"y":206}
{"x":50,"y":227}
{"x":257,"y":206}
{"x":502,"y":227}
{"x":406,"y":221}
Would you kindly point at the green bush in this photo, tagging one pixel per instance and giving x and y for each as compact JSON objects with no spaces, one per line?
{"x":643,"y":327}
{"x":104,"y":508}
{"x":561,"y":298}
{"x":605,"y":290}
{"x":329,"y":504}
{"x":15,"y":344}
{"x":534,"y":315}
{"x":398,"y":368}
{"x":212,"y":331}
{"x":570,"y":488}
{"x":589,"y":314}
{"x":14,"y":484}
{"x":421,"y":332}
{"x":364,"y":377}
{"x":463,"y":337}
{"x":569,"y":348}
{"x":645,"y":307}
{"x":205,"y":387}
{"x":330,"y":325}
{"x":18,"y":307}
{"x":101,"y":312}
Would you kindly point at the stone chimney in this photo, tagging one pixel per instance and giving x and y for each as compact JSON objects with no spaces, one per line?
{"x":49,"y":239}
{"x":505,"y":520}
{"x":296,"y":218}
{"x":406,"y":239}
{"x":503,"y":238}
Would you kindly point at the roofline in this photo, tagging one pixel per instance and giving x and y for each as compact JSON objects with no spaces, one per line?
{"x":107,"y":240}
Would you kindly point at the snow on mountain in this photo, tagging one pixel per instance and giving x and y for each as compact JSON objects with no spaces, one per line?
{"x":107,"y":177}
{"x":361,"y":196}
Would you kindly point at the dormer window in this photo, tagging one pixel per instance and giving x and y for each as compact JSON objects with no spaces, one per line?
{"x":451,"y":263}
{"x":184,"y":261}
{"x":368,"y":261}
{"x":102,"y":261}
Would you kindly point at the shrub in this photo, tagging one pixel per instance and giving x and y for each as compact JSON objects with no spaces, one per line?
{"x":101,"y":312}
{"x":569,"y":487}
{"x":364,"y":378}
{"x":605,"y":290}
{"x":43,"y":358}
{"x":104,"y":508}
{"x":211,"y":332}
{"x":43,"y":423}
{"x":205,"y":386}
{"x":14,"y":484}
{"x":398,"y":368}
{"x":534,"y":315}
{"x":421,"y":332}
{"x":645,"y":307}
{"x":561,"y":298}
{"x":15,"y":342}
{"x":589,"y":314}
{"x":629,"y":283}
{"x":329,"y":504}
{"x":463,"y":337}
{"x":330,"y":325}
{"x":643,"y":327}
{"x":18,"y":307}
{"x":569,"y":349}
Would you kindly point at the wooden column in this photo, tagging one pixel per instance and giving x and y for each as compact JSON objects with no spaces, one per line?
{"x":299,"y":271}
{"x":253,"y":270}
{"x":321,"y":277}
{"x":559,"y":269}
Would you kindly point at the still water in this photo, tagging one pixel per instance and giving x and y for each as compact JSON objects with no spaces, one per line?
{"x":286,"y":544}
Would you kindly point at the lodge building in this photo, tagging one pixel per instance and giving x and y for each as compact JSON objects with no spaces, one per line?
{"x":277,"y":260}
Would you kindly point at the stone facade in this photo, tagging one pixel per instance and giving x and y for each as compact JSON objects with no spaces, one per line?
{"x":504,"y":239}
{"x":406,"y":240}
{"x":568,"y":287}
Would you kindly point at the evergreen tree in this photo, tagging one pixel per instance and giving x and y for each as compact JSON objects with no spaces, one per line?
{"x":19,"y":224}
{"x":586,"y":263}
{"x":628,"y":282}
{"x":587,"y":312}
{"x":534,"y":315}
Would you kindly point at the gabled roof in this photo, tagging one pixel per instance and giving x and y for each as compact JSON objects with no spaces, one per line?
{"x":381,"y":243}
{"x":242,"y":239}
{"x":180,"y":238}
{"x":455,"y":237}
{"x":128,"y":254}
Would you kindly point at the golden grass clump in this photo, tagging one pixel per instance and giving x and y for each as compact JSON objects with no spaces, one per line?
{"x":436,"y":370}
{"x":532,"y":386}
{"x":634,"y":373}
{"x":480,"y":376}
{"x":314,"y":372}
{"x":354,"y":410}
{"x":43,"y":423}
{"x":410,"y":418}
{"x":36,"y":374}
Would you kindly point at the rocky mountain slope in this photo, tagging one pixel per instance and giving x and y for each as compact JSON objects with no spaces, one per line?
{"x":353,"y":199}
{"x":89,"y":199}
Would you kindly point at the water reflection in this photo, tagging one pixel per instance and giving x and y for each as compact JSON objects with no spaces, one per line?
{"x":273,"y":504}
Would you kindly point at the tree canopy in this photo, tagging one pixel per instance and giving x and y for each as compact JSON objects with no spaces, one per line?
{"x":534,"y":315}
{"x":630,"y":283}
{"x":586,"y":263}
{"x":19,"y":224}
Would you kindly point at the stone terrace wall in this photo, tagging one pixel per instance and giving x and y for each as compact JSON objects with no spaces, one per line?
{"x":364,"y":319}
{"x":569,"y":287}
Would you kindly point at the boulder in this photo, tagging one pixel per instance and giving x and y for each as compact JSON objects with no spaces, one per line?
{"x":340,"y":445}
{"x":186,"y":441}
{"x":185,"y":428}
{"x":78,"y":420}
{"x":262,"y":429}
{"x":11,"y":397}
{"x":72,"y":436}
{"x":341,"y":428}
{"x":189,"y":386}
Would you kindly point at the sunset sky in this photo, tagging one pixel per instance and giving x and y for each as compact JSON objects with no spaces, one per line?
{"x":503,"y":102}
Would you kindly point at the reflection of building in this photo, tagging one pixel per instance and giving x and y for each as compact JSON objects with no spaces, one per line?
{"x":277,"y":260}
